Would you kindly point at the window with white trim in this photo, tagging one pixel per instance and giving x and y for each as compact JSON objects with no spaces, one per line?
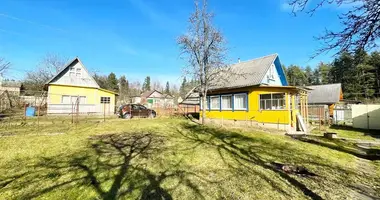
{"x":65,"y":99}
{"x":206,"y":103}
{"x":72,"y":72}
{"x":226,"y":102}
{"x":240,"y":102}
{"x":215,"y":102}
{"x":274,"y":101}
{"x":82,"y":100}
{"x":78,"y":72}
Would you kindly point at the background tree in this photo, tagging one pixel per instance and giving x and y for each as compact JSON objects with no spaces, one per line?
{"x":49,"y":66}
{"x":157,"y":86}
{"x":167,"y":88}
{"x":296,"y":76}
{"x":324,"y":73}
{"x":4,"y":65}
{"x":101,"y":80}
{"x":112,"y":83}
{"x":146,"y":84}
{"x":309,"y":75}
{"x":182,"y":89}
{"x":203,"y":46}
{"x":360,"y":24}
{"x":374,"y":60}
{"x":123,"y":89}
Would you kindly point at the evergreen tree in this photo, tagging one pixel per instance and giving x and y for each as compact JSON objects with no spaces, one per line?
{"x":324,"y":73}
{"x":182,"y":89}
{"x":112,"y":83}
{"x":167,"y":88}
{"x":309,"y":75}
{"x":296,"y":76}
{"x":146,"y":84}
{"x":101,"y":80}
{"x":374,"y":61}
{"x":123,"y":88}
{"x":315,"y":77}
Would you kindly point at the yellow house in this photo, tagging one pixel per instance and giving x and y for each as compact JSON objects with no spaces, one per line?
{"x":74,"y":90}
{"x":257,"y":92}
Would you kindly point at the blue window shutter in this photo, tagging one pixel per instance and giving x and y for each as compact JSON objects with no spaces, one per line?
{"x":208,"y":103}
{"x":232,"y":102}
{"x":220,"y":103}
{"x":247,"y":101}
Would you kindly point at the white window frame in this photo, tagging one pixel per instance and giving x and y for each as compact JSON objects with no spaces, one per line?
{"x":271,"y":99}
{"x":246,"y":99}
{"x":105,"y":100}
{"x":221,"y":102}
{"x":201,"y":104}
{"x":217,"y":108}
{"x":78,"y":72}
{"x":68,"y":96}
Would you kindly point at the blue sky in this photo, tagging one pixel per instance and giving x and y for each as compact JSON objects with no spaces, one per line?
{"x":137,"y":38}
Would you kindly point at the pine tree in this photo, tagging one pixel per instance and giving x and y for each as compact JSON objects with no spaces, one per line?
{"x":167,"y":88}
{"x":309,"y":75}
{"x":182,"y":89}
{"x":123,"y":88}
{"x":146,"y":84}
{"x":112,"y":83}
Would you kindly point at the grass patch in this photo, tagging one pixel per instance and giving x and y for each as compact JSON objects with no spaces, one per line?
{"x":351,"y":133}
{"x":168,"y":159}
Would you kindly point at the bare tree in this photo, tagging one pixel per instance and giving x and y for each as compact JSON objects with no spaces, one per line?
{"x":203,"y":46}
{"x":4,"y":65}
{"x":49,"y":66}
{"x":360,"y":25}
{"x":157,"y":86}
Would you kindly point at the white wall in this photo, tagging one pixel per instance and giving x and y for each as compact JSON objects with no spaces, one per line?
{"x":366,"y":116}
{"x":84,"y":79}
{"x":276,"y":77}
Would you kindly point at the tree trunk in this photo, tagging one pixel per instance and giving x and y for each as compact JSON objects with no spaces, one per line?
{"x":204,"y":108}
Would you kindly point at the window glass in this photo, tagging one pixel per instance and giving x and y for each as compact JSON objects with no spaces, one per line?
{"x":272,"y":101}
{"x":105,"y":100}
{"x":240,"y":101}
{"x":141,"y":107}
{"x":82,"y":100}
{"x":74,"y":99}
{"x":227,"y":102}
{"x":65,"y":99}
{"x":215,"y":103}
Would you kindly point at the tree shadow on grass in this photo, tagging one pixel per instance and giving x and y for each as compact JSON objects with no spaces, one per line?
{"x":338,"y":145}
{"x":366,"y":132}
{"x":230,"y":143}
{"x":114,"y":167}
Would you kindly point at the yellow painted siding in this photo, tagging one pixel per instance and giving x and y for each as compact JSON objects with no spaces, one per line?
{"x":92,"y":94}
{"x":254,"y":112}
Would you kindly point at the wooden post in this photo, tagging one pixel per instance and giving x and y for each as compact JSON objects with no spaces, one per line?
{"x":319,"y":116}
{"x":104,"y":112}
{"x":38,"y":116}
{"x":72,"y":112}
{"x":25,"y":111}
{"x":307,"y":110}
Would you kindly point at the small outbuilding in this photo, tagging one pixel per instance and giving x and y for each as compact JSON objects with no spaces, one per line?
{"x":329,"y":94}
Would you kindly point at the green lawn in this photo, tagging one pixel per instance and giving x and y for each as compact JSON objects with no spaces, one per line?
{"x":351,"y":133}
{"x":170,"y":159}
